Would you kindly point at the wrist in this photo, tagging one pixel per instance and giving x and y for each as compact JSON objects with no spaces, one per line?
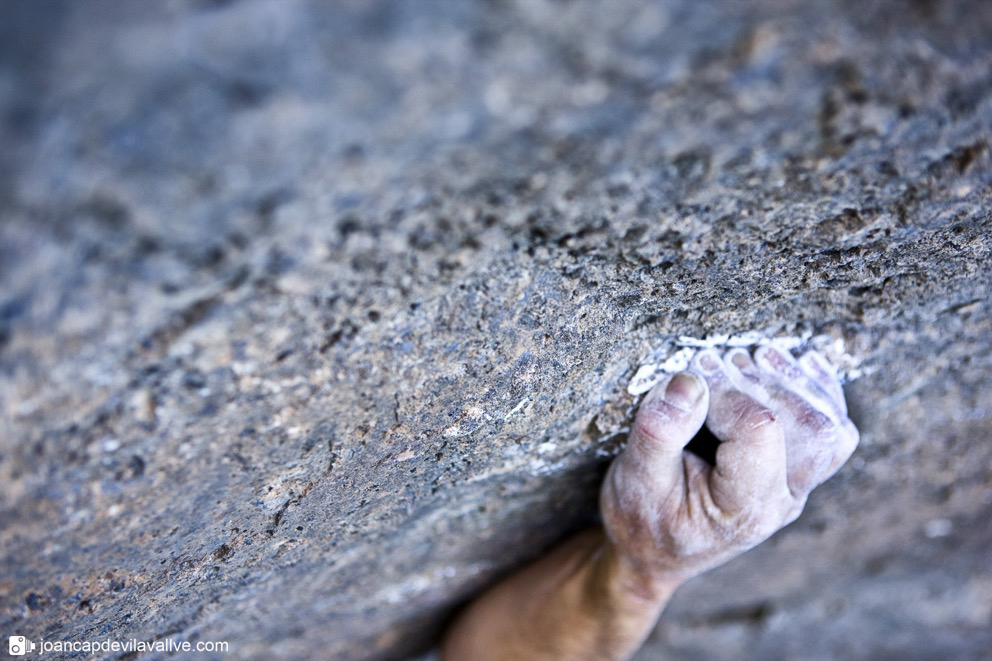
{"x":638,"y":583}
{"x":621,"y":599}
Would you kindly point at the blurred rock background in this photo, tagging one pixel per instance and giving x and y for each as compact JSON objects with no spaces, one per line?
{"x":318,"y":317}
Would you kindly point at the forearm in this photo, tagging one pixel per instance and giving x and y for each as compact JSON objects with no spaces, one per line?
{"x":582,"y":601}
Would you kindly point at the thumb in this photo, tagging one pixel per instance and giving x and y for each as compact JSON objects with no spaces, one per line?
{"x":668,"y":418}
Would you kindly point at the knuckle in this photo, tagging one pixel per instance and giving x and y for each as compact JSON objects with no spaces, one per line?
{"x":656,"y":419}
{"x":764,"y":523}
{"x":817,"y":423}
{"x":651,"y":422}
{"x":747,"y":415}
{"x":767,"y":526}
{"x":746,"y":529}
{"x":792,"y":507}
{"x":757,"y":417}
{"x":853,"y":436}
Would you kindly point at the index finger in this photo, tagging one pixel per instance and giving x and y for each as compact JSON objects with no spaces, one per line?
{"x":751,"y":459}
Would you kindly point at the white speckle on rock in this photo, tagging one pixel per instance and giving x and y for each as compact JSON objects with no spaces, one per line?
{"x":540,"y":467}
{"x":523,"y":402}
{"x":406,"y":455}
{"x":547,"y":447}
{"x":430,"y":581}
{"x":938,"y":528}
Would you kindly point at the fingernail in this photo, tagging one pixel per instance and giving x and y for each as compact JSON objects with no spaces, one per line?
{"x":741,"y":360}
{"x":683,"y":391}
{"x":708,"y":363}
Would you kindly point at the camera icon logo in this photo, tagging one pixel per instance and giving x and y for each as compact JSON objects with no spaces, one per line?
{"x":19,"y":645}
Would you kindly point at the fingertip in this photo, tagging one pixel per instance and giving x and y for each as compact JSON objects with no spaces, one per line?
{"x":685,"y":391}
{"x":740,"y":359}
{"x":669,"y":416}
{"x":742,"y":371}
{"x":680,"y":398}
{"x":775,"y":361}
{"x":819,"y":370}
{"x":706,"y":363}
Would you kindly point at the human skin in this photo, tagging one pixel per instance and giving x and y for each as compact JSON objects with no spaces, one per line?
{"x":669,"y":515}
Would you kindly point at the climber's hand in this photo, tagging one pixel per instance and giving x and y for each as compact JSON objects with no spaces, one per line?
{"x":783,"y":428}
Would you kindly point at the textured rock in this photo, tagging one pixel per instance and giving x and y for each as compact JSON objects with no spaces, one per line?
{"x":316,"y":318}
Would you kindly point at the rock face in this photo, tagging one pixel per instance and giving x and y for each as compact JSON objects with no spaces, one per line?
{"x":316,"y":318}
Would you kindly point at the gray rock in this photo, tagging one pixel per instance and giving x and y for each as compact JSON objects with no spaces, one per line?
{"x":317,"y":318}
